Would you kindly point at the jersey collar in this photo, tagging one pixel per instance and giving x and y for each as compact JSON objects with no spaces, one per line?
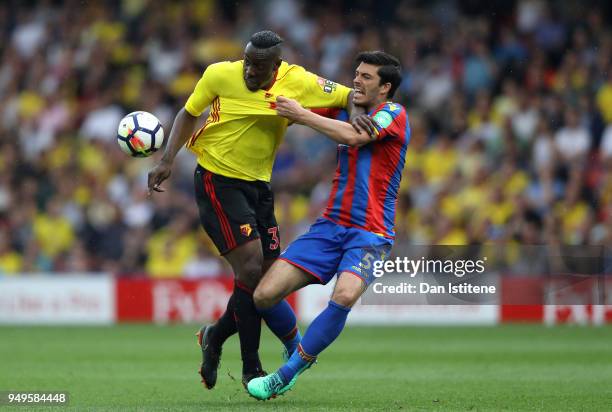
{"x":377,"y":108}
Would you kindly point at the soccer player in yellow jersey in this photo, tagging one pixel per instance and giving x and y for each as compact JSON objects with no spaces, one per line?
{"x":235,"y":149}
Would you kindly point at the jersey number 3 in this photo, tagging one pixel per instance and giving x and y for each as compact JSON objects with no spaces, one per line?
{"x":273,"y":231}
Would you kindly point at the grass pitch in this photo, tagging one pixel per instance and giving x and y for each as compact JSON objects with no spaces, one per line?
{"x":142,"y":367}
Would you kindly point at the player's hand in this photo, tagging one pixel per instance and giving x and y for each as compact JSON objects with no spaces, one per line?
{"x":364,"y":123}
{"x":157,"y":175}
{"x":288,"y":108}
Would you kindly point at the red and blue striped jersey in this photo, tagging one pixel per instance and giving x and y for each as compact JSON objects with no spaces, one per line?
{"x":366,"y":184}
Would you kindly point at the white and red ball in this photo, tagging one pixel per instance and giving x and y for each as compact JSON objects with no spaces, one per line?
{"x":140,"y":134}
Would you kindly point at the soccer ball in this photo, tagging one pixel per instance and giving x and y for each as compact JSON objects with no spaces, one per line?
{"x":140,"y":134}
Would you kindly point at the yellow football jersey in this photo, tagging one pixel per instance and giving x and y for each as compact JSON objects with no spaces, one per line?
{"x":243,"y":131}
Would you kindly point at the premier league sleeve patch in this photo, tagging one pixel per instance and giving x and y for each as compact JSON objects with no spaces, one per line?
{"x":327,"y":85}
{"x":383,"y":119}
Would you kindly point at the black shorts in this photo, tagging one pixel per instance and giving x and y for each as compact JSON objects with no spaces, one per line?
{"x":235,"y":211}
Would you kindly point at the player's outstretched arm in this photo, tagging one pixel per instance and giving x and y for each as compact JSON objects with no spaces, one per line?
{"x":182,"y":128}
{"x":337,"y":130}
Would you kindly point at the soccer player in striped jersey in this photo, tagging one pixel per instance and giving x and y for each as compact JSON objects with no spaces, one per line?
{"x":235,"y":150}
{"x":358,"y":223}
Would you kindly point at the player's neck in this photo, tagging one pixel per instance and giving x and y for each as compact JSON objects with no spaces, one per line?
{"x":372,"y":106}
{"x":269,"y":85}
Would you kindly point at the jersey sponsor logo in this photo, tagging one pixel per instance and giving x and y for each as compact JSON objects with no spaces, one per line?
{"x":327,"y":85}
{"x":383,"y":119}
{"x":246,"y":229}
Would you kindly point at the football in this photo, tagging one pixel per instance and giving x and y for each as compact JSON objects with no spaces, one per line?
{"x":140,"y":134}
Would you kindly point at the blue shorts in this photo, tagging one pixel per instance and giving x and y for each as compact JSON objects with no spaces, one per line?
{"x":328,"y":249}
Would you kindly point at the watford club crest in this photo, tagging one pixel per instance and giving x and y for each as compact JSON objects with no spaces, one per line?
{"x":246,"y":230}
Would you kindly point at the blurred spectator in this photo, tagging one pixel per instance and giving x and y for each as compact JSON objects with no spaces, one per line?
{"x":606,"y":146}
{"x":572,"y":140}
{"x":171,"y":249}
{"x":204,"y":264}
{"x":604,"y":98}
{"x":11,"y":262}
{"x":52,"y":230}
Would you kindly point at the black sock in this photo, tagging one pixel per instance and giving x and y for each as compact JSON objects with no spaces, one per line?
{"x":225,"y":326}
{"x":248,"y":322}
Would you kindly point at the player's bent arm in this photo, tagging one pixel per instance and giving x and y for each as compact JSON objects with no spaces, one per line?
{"x":340,"y":132}
{"x":185,"y":120}
{"x":183,"y":126}
{"x":337,"y":130}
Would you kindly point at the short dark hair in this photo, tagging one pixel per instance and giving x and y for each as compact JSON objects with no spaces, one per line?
{"x":265,"y":39}
{"x":390,"y":70}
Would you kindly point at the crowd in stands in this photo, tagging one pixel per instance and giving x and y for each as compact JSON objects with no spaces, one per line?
{"x":510,"y":107}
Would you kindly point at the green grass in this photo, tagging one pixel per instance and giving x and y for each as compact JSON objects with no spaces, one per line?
{"x":138,"y":367}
